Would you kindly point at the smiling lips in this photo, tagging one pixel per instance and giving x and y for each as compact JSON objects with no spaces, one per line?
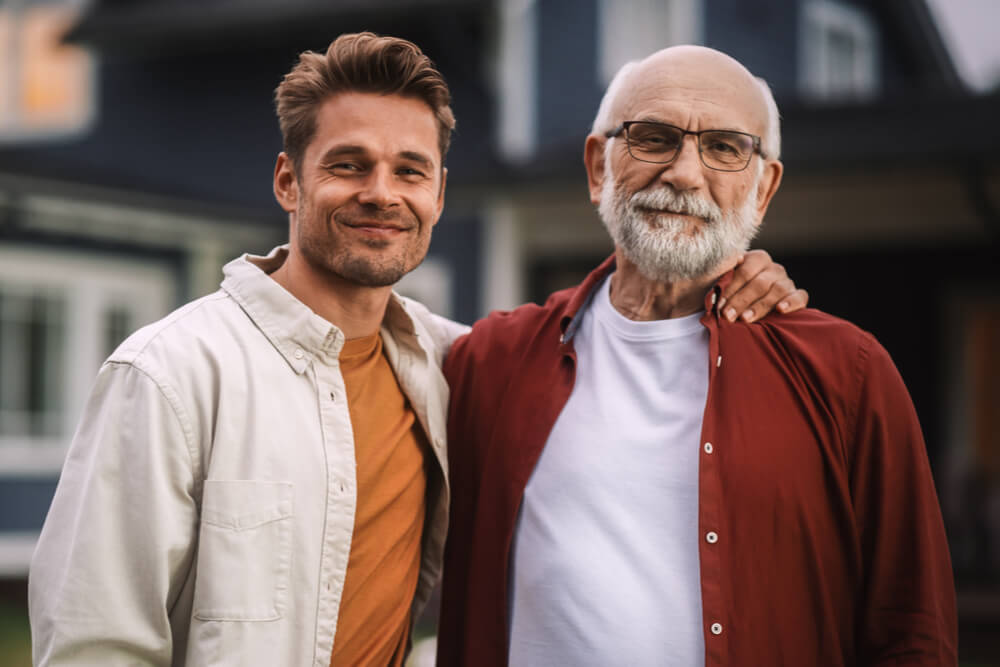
{"x":387,"y":225}
{"x":664,"y":211}
{"x":376,"y":227}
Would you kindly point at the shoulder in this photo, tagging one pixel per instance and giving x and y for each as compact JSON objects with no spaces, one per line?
{"x":836,"y":344}
{"x":440,"y":331}
{"x":206,"y":327}
{"x":504,"y":330}
{"x":839,"y":359}
{"x":814,"y":330}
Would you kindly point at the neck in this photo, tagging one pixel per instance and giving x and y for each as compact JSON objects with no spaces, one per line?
{"x":356,"y":310}
{"x":642,"y":299}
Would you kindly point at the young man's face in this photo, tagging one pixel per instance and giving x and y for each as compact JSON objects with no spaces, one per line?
{"x":370,"y":188}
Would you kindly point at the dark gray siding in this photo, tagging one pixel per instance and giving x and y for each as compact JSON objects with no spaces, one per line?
{"x":568,"y":86}
{"x":763,"y":35}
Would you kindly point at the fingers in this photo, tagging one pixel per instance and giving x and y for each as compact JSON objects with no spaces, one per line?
{"x":760,"y":285}
{"x":752,"y":279}
{"x":781,"y":291}
{"x":758,"y":297}
{"x":783,"y":296}
{"x":749,"y":266}
{"x":797,"y":300}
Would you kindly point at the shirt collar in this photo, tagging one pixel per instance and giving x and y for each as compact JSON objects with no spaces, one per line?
{"x":299,"y":334}
{"x":584,"y":295}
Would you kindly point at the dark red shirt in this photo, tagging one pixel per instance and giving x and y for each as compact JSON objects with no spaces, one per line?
{"x":831,"y":547}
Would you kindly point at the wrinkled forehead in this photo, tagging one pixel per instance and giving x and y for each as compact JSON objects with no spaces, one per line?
{"x":694,"y":85}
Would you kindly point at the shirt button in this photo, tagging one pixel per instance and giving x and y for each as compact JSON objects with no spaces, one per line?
{"x":708,"y":448}
{"x":299,"y":353}
{"x":712,"y":537}
{"x":333,"y":396}
{"x":716,"y":628}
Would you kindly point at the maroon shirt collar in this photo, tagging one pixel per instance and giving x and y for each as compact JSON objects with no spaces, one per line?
{"x":584,"y":294}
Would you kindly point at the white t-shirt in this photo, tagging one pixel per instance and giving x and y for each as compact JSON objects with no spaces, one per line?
{"x":605,"y":557}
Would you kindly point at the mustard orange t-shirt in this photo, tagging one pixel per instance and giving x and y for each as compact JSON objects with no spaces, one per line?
{"x":384,"y":563}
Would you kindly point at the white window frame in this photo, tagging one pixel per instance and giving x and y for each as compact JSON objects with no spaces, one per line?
{"x":820,"y":19}
{"x":515,"y":65}
{"x":91,"y":284}
{"x":633,"y":29}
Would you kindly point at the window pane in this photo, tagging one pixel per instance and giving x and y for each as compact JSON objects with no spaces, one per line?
{"x":117,"y":326}
{"x":842,"y":56}
{"x":32,"y":340}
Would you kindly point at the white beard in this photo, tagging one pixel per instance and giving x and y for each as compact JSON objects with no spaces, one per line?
{"x":665,"y":247}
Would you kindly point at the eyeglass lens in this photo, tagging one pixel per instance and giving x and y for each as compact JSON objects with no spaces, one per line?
{"x":653,"y":142}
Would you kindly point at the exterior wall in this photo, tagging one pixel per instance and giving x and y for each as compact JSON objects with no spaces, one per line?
{"x":569,"y":89}
{"x":761,"y":35}
{"x":200,"y":128}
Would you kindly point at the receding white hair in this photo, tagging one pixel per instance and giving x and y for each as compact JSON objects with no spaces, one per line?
{"x":605,"y":122}
{"x":772,"y":134}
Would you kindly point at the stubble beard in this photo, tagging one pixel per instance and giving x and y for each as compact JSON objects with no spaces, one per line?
{"x":666,"y":248}
{"x":324,"y":250}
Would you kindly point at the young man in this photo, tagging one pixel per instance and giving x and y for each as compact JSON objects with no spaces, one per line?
{"x":263,"y":470}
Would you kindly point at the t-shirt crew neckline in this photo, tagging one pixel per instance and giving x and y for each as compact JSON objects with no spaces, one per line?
{"x":359,"y":348}
{"x":675,"y":327}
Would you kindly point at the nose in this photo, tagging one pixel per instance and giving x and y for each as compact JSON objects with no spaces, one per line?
{"x":686,"y":172}
{"x":378,"y":189}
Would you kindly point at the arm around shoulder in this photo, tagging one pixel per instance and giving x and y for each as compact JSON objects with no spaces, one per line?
{"x":107,"y":576}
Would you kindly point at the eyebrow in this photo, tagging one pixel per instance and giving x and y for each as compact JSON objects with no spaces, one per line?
{"x":352,"y":149}
{"x":419,"y":158}
{"x":338,"y":151}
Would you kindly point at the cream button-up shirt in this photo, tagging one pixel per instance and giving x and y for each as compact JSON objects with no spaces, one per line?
{"x":205,"y":511}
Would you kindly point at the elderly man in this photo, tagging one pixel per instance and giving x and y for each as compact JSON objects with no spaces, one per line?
{"x":637,"y":481}
{"x":259,"y":478}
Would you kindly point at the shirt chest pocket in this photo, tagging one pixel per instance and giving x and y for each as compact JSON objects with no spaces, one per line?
{"x":244,"y":551}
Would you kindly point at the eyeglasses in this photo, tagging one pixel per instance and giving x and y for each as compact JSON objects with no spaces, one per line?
{"x":659,"y":143}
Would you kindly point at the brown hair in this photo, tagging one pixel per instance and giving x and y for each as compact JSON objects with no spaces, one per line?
{"x":359,"y":62}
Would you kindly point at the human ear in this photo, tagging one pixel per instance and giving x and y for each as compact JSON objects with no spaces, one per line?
{"x":440,"y":201}
{"x":768,"y":185}
{"x":593,"y":160}
{"x":286,"y":184}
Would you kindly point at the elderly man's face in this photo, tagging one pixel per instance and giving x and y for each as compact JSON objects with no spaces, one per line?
{"x":681,"y":220}
{"x":673,"y":235}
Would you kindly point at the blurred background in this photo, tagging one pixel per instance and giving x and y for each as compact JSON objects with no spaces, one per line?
{"x":137,"y":143}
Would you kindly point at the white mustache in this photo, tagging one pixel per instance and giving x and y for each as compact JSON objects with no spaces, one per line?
{"x":669,"y":201}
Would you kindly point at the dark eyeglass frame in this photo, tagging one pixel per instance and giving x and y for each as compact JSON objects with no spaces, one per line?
{"x":624,"y":127}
